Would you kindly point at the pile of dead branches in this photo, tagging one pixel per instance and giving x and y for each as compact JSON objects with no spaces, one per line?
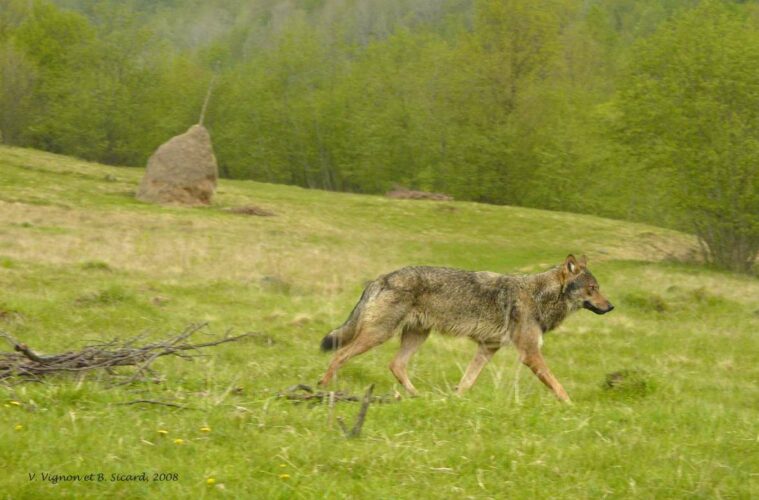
{"x":28,"y":364}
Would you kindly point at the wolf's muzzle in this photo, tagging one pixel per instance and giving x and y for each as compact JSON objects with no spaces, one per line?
{"x":588,"y":305}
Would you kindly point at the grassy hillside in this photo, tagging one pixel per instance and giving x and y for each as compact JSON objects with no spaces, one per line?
{"x":81,"y":260}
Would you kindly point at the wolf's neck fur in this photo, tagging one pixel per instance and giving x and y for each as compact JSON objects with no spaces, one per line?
{"x":552,"y":308}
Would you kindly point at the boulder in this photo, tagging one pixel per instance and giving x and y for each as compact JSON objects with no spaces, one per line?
{"x":182,"y":170}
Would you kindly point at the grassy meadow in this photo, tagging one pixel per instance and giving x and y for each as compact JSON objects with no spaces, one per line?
{"x":81,"y":260}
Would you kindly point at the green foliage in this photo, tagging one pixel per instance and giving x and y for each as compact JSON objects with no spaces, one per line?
{"x":18,"y":79}
{"x":107,"y":90}
{"x":689,"y":112}
{"x":561,"y":104}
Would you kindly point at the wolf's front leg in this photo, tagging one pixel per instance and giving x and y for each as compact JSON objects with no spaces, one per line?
{"x":538,"y":366}
{"x":528,"y":344}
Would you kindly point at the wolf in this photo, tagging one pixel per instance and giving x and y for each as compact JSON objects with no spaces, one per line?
{"x":492,"y":309}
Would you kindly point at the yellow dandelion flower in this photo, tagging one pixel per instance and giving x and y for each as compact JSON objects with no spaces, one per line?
{"x":179,"y":441}
{"x":284,"y":476}
{"x":205,"y":428}
{"x":19,"y":427}
{"x":162,"y":432}
{"x":16,"y":403}
{"x":210,"y":481}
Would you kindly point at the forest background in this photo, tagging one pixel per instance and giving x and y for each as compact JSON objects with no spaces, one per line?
{"x":633,"y":109}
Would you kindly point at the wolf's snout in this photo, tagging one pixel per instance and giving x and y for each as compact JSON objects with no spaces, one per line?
{"x":596,"y":309}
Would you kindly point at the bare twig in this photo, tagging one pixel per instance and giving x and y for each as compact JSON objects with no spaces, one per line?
{"x":146,"y":365}
{"x":331,"y":410}
{"x":301,"y":387}
{"x":154,"y":402}
{"x":302,"y":392}
{"x":205,"y":101}
{"x":26,"y":363}
{"x":356,"y":431}
{"x":22,"y":348}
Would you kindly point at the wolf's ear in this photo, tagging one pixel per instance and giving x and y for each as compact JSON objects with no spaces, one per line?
{"x":583,"y":262}
{"x":571,"y":266}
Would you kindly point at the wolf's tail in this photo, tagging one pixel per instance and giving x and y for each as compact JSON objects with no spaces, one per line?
{"x":339,"y":337}
{"x":345,"y":333}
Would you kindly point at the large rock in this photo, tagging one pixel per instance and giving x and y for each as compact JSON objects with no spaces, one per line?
{"x":182,"y":170}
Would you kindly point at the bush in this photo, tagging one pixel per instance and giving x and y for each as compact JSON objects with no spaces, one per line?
{"x":689,"y":115}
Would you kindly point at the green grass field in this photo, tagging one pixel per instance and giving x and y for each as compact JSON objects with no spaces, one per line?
{"x":81,"y":260}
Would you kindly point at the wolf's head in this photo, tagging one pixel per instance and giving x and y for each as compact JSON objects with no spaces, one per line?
{"x":580,"y":287}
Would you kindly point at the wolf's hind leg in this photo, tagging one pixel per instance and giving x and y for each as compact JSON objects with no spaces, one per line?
{"x":365,"y":340}
{"x":484,"y":353}
{"x":411,"y":340}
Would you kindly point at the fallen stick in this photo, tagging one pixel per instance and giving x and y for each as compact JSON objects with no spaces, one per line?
{"x":154,"y":402}
{"x":303,"y":392}
{"x":356,"y":431}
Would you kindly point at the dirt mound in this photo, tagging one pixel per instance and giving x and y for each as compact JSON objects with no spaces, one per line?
{"x":629,"y":382}
{"x":182,"y":170}
{"x":251,"y":210}
{"x":400,"y":193}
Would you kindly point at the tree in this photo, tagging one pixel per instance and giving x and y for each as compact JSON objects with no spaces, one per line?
{"x":18,"y":77}
{"x":493,"y":101}
{"x":50,"y":38}
{"x":689,"y":112}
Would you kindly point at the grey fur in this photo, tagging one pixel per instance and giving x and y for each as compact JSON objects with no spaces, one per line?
{"x":492,"y":309}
